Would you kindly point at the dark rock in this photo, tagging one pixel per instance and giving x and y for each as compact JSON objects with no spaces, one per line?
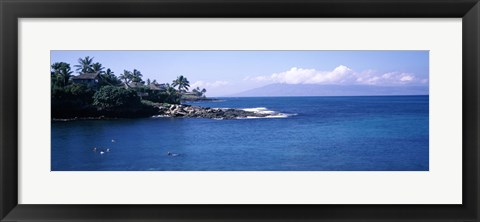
{"x":188,"y":111}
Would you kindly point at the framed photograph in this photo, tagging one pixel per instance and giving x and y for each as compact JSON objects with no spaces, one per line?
{"x":227,"y":110}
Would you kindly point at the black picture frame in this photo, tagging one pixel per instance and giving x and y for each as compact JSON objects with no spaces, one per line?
{"x":12,"y":10}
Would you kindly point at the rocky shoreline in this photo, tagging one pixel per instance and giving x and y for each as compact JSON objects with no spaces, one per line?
{"x":183,"y":111}
{"x":206,"y":112}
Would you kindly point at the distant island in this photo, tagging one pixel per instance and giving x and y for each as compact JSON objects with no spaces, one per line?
{"x":96,"y":92}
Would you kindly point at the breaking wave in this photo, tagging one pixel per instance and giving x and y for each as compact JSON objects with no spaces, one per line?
{"x":263,"y":110}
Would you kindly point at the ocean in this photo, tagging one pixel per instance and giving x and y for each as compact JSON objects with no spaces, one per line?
{"x":371,"y":133}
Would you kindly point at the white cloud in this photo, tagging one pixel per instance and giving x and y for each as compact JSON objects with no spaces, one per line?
{"x":340,"y":75}
{"x":205,"y":84}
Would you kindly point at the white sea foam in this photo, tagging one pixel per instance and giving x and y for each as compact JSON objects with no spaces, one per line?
{"x":261,"y":110}
{"x":160,"y":116}
{"x":264,"y":110}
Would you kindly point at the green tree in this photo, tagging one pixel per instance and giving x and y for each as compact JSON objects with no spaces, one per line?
{"x":55,"y":75}
{"x":74,"y":100}
{"x":172,"y":95}
{"x":60,"y":74}
{"x":109,"y":72}
{"x":97,"y":67}
{"x":85,"y":65}
{"x":126,"y":77}
{"x":111,"y":98}
{"x":109,"y":78}
{"x":182,"y":83}
{"x":197,"y":91}
{"x":137,"y":76}
{"x":80,"y":91}
{"x":55,"y":67}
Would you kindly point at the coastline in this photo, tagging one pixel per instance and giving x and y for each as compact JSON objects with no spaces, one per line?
{"x":166,"y":110}
{"x":180,"y":111}
{"x":188,"y":111}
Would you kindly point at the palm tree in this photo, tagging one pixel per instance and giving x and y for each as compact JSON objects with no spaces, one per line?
{"x":109,"y":73}
{"x":61,"y":72}
{"x":56,"y":67}
{"x":84,"y":65}
{"x":172,"y":94}
{"x":109,"y":78}
{"x":136,"y":76}
{"x":197,"y":91}
{"x":182,"y":83}
{"x":97,"y":67}
{"x":170,"y":90}
{"x":55,"y":72}
{"x":126,"y":77}
{"x":66,"y":74}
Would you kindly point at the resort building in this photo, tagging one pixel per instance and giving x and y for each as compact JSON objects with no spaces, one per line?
{"x":190,"y":94}
{"x":158,"y":86}
{"x":90,"y":79}
{"x":135,"y":85}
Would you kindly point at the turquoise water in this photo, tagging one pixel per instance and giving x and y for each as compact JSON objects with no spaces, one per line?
{"x":308,"y":134}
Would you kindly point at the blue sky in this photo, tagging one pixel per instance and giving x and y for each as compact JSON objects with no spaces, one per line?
{"x":228,"y":72}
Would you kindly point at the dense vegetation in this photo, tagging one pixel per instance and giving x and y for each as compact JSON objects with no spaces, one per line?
{"x":107,"y":95}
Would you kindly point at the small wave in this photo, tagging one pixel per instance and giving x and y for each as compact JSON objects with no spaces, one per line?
{"x":264,"y":110}
{"x":278,"y":115}
{"x":160,"y":116}
{"x":258,"y":110}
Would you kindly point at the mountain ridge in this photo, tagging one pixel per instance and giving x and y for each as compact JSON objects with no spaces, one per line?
{"x":279,"y":89}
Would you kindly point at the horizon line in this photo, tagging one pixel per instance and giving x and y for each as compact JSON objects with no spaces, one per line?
{"x":317,"y":96}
